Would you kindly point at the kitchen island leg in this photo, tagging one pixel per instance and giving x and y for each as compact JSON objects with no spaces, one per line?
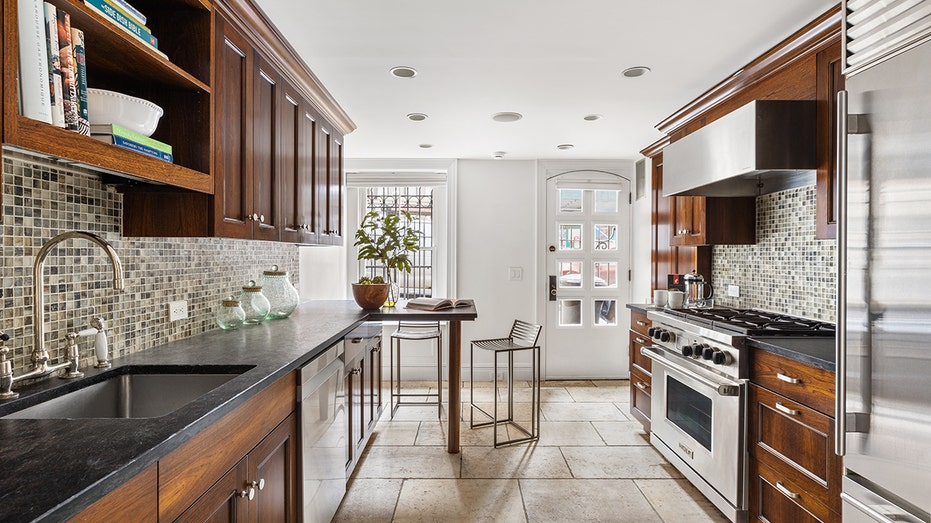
{"x":455,"y":384}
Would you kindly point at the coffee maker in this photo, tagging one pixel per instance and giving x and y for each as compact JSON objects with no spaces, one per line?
{"x":695,"y":288}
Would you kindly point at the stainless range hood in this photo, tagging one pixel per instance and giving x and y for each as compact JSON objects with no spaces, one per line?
{"x":762,"y":147}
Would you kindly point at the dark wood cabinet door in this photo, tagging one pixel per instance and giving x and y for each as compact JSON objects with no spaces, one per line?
{"x":687,"y":212}
{"x":273,"y":472}
{"x":640,"y":397}
{"x":375,"y":399}
{"x":307,"y":170}
{"x":321,"y":184}
{"x":290,"y":125}
{"x":830,"y":81}
{"x":266,"y":94}
{"x":335,"y":191}
{"x":233,"y":176}
{"x":354,"y":403}
{"x":223,"y":502}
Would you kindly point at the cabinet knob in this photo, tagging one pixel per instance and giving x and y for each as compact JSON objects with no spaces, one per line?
{"x":254,"y":217}
{"x":260,"y":484}
{"x":248,"y":493}
{"x":262,"y":218}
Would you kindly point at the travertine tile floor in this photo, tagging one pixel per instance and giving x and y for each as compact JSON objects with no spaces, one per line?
{"x":592,"y":463}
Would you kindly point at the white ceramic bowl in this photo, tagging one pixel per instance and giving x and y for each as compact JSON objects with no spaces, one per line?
{"x":126,"y":111}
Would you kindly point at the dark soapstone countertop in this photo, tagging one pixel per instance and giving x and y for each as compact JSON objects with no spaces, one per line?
{"x":817,"y":351}
{"x":53,"y":469}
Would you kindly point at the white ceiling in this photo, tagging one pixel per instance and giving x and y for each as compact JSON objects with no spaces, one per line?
{"x":554,"y":61}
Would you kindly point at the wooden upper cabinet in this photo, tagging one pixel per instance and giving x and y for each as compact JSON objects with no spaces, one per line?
{"x":233,"y":180}
{"x":829,"y":82}
{"x":266,"y":98}
{"x":335,"y":191}
{"x":702,"y":220}
{"x":290,"y":113}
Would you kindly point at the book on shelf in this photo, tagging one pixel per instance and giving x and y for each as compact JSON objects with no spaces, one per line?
{"x":125,"y":143}
{"x":34,"y":92}
{"x":438,"y":304}
{"x":116,"y":130}
{"x":130,"y":11}
{"x":56,"y":95}
{"x":129,"y":27}
{"x":80,"y":77}
{"x":68,"y":76}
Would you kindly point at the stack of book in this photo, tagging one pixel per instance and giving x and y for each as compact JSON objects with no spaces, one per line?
{"x":53,"y":73}
{"x":127,"y":18}
{"x":122,"y":137}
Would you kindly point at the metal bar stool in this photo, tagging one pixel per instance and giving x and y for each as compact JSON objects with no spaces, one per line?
{"x":416,"y":330}
{"x":523,"y":336}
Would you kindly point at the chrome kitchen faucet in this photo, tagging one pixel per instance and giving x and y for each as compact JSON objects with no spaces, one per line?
{"x":40,"y":356}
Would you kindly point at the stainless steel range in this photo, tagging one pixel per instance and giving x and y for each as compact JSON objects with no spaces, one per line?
{"x":699,"y":393}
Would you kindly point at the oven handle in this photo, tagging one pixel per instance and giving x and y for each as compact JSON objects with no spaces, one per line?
{"x":724,"y":389}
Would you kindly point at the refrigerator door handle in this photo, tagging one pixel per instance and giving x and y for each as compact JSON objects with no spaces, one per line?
{"x":840,"y":376}
{"x":845,"y":422}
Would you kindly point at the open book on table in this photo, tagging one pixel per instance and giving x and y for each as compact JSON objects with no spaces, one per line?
{"x":436,"y":304}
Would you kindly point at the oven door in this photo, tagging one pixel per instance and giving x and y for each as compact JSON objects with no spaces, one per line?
{"x":698,"y":423}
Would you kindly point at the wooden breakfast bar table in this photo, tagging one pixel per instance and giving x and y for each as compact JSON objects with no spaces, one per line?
{"x":454,"y":317}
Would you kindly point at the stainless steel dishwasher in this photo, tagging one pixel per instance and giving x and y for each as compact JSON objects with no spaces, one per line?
{"x":324,"y":440}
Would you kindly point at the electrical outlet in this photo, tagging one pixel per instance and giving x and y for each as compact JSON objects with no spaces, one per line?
{"x":177,"y":310}
{"x":515,"y":273}
{"x":733,"y":291}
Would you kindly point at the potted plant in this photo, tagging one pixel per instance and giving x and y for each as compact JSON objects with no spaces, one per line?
{"x":387,"y":239}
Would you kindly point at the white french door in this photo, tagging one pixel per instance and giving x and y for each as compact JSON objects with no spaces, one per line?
{"x":587,"y":267}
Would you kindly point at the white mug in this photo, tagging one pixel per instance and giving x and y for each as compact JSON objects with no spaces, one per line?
{"x":676,"y":298}
{"x":660,"y":297}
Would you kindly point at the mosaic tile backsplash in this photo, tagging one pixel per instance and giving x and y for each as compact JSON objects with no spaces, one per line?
{"x":787,"y":270}
{"x":42,"y":200}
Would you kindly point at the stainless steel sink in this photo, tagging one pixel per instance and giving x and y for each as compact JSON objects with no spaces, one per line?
{"x":130,"y":395}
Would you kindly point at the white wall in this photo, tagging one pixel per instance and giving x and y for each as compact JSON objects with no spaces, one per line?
{"x":641,"y":241}
{"x":497,"y":229}
{"x":323,"y":270}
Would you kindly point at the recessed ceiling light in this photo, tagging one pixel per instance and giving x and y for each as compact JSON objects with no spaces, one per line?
{"x":426,"y":145}
{"x":506,"y":116}
{"x":591,"y":117}
{"x":403,"y":71}
{"x":637,"y":70}
{"x":498,"y":155}
{"x":416,"y":117}
{"x":565,"y":146}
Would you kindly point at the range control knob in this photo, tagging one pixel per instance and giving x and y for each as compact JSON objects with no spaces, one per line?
{"x":708,"y":353}
{"x":721,"y":358}
{"x":686,"y":350}
{"x":652,"y":331}
{"x":664,"y":336}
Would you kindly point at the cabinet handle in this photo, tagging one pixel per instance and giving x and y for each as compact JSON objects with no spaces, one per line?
{"x":248,"y":493}
{"x":642,"y":386}
{"x":639,"y":340}
{"x":782,"y":488}
{"x":787,"y":379}
{"x":641,"y":323}
{"x":782,"y":408}
{"x":260,"y":484}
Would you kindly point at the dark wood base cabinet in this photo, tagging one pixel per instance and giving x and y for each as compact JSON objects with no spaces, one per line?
{"x":640,"y":369}
{"x":794,"y":473}
{"x":363,"y":388}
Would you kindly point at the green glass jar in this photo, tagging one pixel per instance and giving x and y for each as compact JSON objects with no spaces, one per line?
{"x":230,"y":315}
{"x":282,"y":296}
{"x":254,"y":303}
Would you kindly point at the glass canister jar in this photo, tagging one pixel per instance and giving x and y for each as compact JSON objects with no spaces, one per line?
{"x":230,"y":314}
{"x":254,"y":303}
{"x":282,"y":296}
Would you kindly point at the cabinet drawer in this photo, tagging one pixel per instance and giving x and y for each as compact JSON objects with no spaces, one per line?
{"x":808,"y":385}
{"x":639,"y":322}
{"x":640,"y":397}
{"x":797,"y":443}
{"x":638,"y":360}
{"x":773,"y":498}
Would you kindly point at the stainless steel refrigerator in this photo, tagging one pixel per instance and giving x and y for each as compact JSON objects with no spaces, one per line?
{"x":884,"y":242}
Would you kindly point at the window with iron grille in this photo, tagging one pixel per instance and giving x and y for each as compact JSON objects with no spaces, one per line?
{"x":418,"y":201}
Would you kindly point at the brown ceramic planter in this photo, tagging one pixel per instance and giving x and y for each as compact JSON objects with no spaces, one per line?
{"x":370,"y":296}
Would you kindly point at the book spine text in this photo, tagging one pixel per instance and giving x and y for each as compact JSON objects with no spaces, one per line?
{"x":34,"y":92}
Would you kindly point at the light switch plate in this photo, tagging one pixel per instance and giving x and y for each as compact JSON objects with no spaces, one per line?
{"x":733,"y":291}
{"x":515,"y":273}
